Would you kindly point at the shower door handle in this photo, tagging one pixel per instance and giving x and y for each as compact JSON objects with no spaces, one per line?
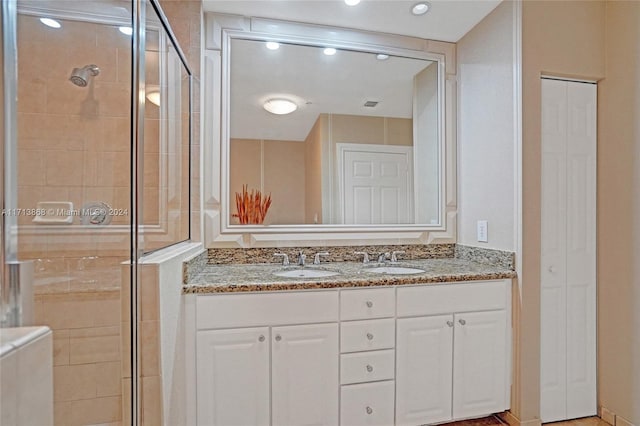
{"x":17,"y":294}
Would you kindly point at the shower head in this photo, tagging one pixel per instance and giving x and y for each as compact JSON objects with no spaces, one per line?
{"x":80,"y":76}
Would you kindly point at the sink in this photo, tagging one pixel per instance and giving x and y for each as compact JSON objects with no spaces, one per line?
{"x":395,"y":270}
{"x":305,"y":273}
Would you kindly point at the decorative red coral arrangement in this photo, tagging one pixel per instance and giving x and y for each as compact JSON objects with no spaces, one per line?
{"x":251,"y":207}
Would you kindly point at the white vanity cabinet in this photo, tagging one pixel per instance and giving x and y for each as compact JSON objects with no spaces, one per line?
{"x":394,"y":355}
{"x":452,"y":352}
{"x":275,"y":373}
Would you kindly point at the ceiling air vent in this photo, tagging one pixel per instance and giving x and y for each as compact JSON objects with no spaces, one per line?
{"x":370,"y":104}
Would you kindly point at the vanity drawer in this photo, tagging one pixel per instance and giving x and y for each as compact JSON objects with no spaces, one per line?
{"x":370,"y":366}
{"x":370,"y":404}
{"x":369,"y":303}
{"x":248,"y":310}
{"x":439,"y":299}
{"x":370,"y":335}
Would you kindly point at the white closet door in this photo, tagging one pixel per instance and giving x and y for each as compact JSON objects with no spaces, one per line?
{"x":568,"y":297}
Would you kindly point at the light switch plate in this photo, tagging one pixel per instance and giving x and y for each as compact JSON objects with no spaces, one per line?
{"x":483,"y":231}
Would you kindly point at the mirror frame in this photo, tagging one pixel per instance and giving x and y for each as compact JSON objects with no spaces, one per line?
{"x":218,"y":231}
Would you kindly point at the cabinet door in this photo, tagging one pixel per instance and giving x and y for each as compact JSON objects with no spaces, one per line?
{"x":479,"y":364}
{"x":424,"y":369}
{"x":305,"y":375}
{"x":233,"y":377}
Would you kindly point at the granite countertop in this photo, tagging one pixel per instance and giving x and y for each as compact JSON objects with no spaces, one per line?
{"x":259,"y":277}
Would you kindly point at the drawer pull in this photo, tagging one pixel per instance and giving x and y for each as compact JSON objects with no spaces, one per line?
{"x":369,"y":410}
{"x":450,"y":323}
{"x":369,"y":304}
{"x":462,"y":322}
{"x":369,"y":336}
{"x":369,"y":368}
{"x":261,"y":338}
{"x":278,"y":337}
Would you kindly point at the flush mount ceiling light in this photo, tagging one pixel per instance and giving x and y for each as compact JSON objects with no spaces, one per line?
{"x":351,"y":2}
{"x":280,"y":106}
{"x":126,"y":30}
{"x":272,"y":45}
{"x":382,"y":57}
{"x":51,"y":23}
{"x":329,"y":51}
{"x":420,"y":8}
{"x":153,"y":96}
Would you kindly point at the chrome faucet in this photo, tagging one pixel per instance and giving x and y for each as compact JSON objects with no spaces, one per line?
{"x":394,"y":256}
{"x":285,"y":258}
{"x":316,"y":258}
{"x":301,"y":258}
{"x":383,"y":257}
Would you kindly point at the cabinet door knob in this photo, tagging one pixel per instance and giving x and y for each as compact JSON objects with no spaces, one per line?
{"x":369,"y":304}
{"x":261,"y":338}
{"x":369,"y":410}
{"x":462,"y":322}
{"x":278,"y":337}
{"x":369,"y":336}
{"x":552,"y":269}
{"x":450,"y":323}
{"x":369,"y":368}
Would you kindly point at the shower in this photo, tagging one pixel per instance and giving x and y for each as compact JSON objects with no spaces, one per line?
{"x":80,"y":76}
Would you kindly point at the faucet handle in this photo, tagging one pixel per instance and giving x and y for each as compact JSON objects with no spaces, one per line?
{"x":316,"y":258}
{"x":365,"y":256}
{"x":285,"y":258}
{"x":394,"y":255}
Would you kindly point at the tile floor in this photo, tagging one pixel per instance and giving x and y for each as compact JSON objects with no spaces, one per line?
{"x":495,"y":421}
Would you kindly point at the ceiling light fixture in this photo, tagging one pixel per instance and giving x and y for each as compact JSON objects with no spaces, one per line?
{"x":351,"y":2}
{"x":51,"y":23}
{"x":382,"y":57}
{"x":154,"y":97}
{"x":329,"y":51}
{"x":420,"y":8}
{"x":280,"y":106}
{"x":272,"y":45}
{"x":126,"y":30}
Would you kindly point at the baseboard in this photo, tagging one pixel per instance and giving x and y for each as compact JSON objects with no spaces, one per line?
{"x":610,"y":417}
{"x":509,"y":418}
{"x":607,"y":415}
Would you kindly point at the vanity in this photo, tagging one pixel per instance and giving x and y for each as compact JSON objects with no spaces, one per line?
{"x":356,"y":348}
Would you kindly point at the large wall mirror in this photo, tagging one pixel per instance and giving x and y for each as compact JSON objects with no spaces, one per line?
{"x":327,"y":133}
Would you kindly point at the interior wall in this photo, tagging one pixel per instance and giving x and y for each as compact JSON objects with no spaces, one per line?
{"x":313,"y":172}
{"x":619,"y":214}
{"x":561,"y":38}
{"x":486,"y":123}
{"x":273,"y":167}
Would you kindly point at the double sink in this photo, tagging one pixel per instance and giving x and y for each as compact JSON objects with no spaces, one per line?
{"x":392,"y":268}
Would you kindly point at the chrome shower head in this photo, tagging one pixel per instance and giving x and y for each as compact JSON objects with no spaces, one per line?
{"x":80,"y":76}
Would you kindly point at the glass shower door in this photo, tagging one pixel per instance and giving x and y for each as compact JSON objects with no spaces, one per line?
{"x":67,"y":222}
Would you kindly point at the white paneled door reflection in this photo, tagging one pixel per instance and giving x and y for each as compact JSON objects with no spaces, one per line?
{"x":568,"y":258}
{"x":376,"y":183}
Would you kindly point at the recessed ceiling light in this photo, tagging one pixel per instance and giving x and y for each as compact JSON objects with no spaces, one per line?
{"x":351,"y":2}
{"x":126,"y":30}
{"x":272,"y":45}
{"x":420,"y":8}
{"x":51,"y":23}
{"x":280,"y":106}
{"x":329,"y":51}
{"x":382,"y":57}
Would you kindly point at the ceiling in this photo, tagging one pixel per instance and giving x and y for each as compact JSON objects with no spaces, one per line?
{"x":447,"y":20}
{"x":338,"y":84}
